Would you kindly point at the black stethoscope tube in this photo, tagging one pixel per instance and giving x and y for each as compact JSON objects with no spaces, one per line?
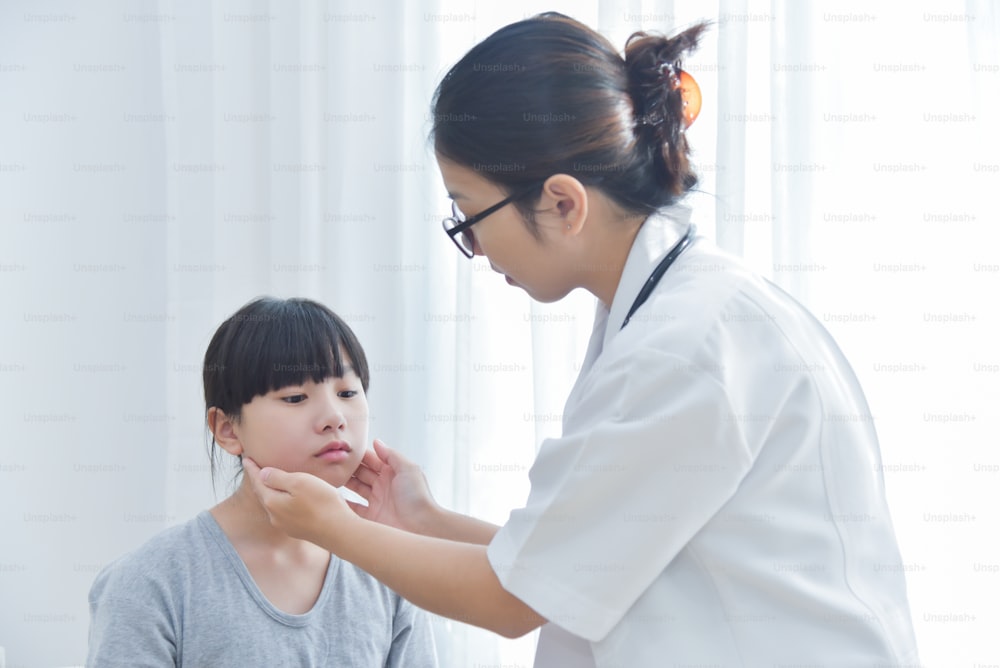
{"x":661,"y":268}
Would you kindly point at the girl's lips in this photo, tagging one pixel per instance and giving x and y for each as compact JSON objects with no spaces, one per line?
{"x":333,"y":455}
{"x":334,"y":452}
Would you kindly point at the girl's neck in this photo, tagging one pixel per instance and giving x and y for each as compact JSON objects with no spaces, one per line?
{"x":245,"y":521}
{"x":290,"y":573}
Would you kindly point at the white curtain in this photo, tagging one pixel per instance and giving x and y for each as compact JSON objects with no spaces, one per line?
{"x":161,"y":163}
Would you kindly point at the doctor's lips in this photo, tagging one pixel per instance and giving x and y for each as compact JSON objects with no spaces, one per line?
{"x":335,"y":451}
{"x":510,"y":281}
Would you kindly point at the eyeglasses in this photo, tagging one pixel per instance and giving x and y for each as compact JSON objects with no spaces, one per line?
{"x":457,"y":224}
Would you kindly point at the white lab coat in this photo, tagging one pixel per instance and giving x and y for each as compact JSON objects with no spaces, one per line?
{"x":716,"y":497}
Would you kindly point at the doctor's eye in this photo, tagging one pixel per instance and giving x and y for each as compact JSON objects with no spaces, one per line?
{"x":294,"y":399}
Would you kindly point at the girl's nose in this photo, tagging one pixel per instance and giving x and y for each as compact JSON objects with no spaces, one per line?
{"x":334,"y":417}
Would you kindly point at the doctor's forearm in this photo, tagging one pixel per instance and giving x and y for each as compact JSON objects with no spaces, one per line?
{"x":448,"y":578}
{"x":451,"y":525}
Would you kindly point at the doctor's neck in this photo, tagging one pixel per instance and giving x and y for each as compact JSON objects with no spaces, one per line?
{"x":610,"y":235}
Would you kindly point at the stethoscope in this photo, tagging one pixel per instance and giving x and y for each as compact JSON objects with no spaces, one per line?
{"x":659,"y":271}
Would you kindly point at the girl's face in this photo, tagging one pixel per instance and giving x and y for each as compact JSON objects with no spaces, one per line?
{"x":318,"y":428}
{"x":503,"y":237}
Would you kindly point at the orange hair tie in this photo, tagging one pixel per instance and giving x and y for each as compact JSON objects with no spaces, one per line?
{"x":690,"y":95}
{"x":690,"y":92}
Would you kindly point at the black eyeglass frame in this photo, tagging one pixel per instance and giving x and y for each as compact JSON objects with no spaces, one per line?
{"x":462,"y":224}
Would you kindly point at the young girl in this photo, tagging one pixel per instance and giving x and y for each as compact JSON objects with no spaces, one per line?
{"x":715,"y":497}
{"x":285,"y":383}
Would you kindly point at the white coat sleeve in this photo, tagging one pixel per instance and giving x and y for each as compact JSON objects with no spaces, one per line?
{"x":650,"y":451}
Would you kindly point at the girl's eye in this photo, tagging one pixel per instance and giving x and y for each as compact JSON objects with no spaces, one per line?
{"x":347,"y":394}
{"x":294,"y":399}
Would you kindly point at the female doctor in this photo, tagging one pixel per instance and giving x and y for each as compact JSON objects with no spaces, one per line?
{"x":716,"y":495}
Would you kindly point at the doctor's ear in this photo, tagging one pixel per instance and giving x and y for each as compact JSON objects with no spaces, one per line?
{"x":223,"y":428}
{"x":565,"y":198}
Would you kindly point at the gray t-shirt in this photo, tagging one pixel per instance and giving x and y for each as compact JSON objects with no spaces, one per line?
{"x":185,"y":598}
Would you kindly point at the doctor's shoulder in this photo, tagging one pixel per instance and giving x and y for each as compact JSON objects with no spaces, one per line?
{"x":707,"y":288}
{"x":717,"y":321}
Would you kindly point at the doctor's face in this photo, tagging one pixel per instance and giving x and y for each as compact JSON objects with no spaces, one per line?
{"x":527,"y":261}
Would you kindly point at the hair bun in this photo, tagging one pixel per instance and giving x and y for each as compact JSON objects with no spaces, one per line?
{"x":653,"y":66}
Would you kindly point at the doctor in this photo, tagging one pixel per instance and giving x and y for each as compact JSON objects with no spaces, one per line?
{"x":715,"y":497}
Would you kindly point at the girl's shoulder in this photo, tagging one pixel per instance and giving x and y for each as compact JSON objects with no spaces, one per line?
{"x":160,"y":562}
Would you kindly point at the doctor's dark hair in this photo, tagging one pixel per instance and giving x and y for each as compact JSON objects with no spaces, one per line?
{"x":548,"y":95}
{"x":272,"y":343}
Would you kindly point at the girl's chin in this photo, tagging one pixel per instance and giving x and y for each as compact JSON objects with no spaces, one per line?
{"x":336,"y":481}
{"x":336,"y":475}
{"x":335,"y":478}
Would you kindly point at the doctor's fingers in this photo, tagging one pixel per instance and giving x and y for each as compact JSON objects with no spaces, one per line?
{"x":264,"y":494}
{"x":360,"y":488}
{"x":268,"y":480}
{"x":365,"y":475}
{"x":392,"y":458}
{"x":371,"y":460}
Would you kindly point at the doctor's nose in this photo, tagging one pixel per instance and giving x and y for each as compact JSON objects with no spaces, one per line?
{"x":476,"y":250}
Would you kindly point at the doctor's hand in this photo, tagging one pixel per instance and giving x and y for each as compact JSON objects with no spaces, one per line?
{"x":300,"y":504}
{"x":395,"y":488}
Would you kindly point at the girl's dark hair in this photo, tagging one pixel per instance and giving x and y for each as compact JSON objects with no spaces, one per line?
{"x":273,"y":343}
{"x":549,"y":95}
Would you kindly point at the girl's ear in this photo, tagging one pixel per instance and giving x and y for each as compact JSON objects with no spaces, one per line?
{"x":223,"y":428}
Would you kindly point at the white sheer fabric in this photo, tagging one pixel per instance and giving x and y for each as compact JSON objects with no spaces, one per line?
{"x":163,"y":163}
